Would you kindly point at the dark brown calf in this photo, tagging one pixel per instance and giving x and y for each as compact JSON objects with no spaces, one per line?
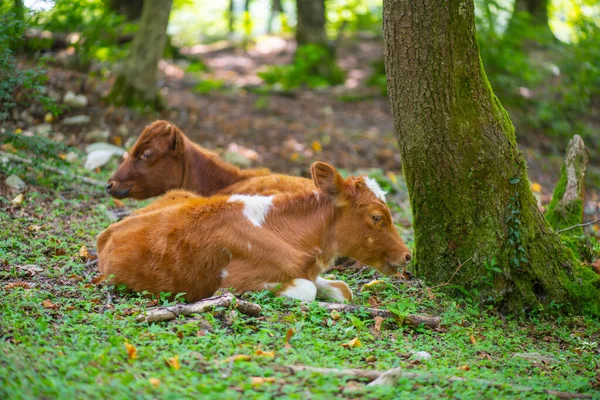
{"x":163,"y":158}
{"x":188,"y":244}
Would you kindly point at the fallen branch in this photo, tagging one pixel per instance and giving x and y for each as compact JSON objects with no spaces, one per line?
{"x":172,"y":312}
{"x":460,"y":265}
{"x":50,"y":168}
{"x":578,"y":226}
{"x":411,"y":319}
{"x":392,"y":376}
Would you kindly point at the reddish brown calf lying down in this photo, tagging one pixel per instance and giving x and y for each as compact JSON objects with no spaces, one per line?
{"x":183,"y":243}
{"x":163,"y":158}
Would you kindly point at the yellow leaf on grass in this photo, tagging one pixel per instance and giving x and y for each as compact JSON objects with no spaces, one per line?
{"x":8,"y":147}
{"x":131,"y":351}
{"x":288,"y":337}
{"x":392,"y":177}
{"x":48,"y":118}
{"x":472,"y":340}
{"x":316,"y":146}
{"x":353,"y":343}
{"x":378,"y":321}
{"x":13,"y":285}
{"x":372,"y":283}
{"x":19,"y":199}
{"x":18,"y":131}
{"x":259,"y":380}
{"x":536,"y":187}
{"x":238,"y":357}
{"x":154,"y":382}
{"x":84,"y":253}
{"x":268,"y":354}
{"x":334,"y":315}
{"x":295,"y":156}
{"x":62,"y":156}
{"x":173,"y":362}
{"x":465,"y":367}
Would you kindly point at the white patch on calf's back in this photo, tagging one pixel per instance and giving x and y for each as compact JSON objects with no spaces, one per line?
{"x":256,"y":208}
{"x":300,"y":289}
{"x":375,"y":188}
{"x":327,"y":290}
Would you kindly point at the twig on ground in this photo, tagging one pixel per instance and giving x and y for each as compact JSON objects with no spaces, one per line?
{"x":392,"y":376}
{"x":460,"y":265}
{"x":225,"y":300}
{"x":50,"y":168}
{"x":411,"y":319}
{"x":578,"y":226}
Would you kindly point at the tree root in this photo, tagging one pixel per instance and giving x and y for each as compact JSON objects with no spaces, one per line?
{"x":225,"y":300}
{"x":392,"y":376}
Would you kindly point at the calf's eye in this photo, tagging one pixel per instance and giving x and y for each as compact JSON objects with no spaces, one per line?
{"x":146,"y":155}
{"x":376,"y":217}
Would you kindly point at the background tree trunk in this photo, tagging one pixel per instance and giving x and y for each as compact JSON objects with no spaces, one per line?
{"x":533,"y":16}
{"x":468,"y":185}
{"x":131,"y":9}
{"x":310,"y":28}
{"x":136,"y":84}
{"x":275,"y":10}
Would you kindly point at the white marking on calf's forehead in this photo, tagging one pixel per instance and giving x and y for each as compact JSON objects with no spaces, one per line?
{"x":224,"y":274}
{"x":301,"y":289}
{"x":375,"y":188}
{"x":256,"y":208}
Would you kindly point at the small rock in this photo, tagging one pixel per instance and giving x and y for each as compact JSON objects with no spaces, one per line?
{"x":123,"y":131}
{"x":77,"y":120}
{"x":116,"y":150}
{"x":535,"y":357}
{"x":97,"y":135}
{"x":75,"y":100}
{"x":422,"y":355}
{"x":42,"y":130}
{"x":237,"y":159}
{"x":59,"y":137}
{"x":16,"y":183}
{"x":26,"y":117}
{"x":71,"y":157}
{"x":97,"y":159}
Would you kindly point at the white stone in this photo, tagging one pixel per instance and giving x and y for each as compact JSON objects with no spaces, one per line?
{"x":77,"y":120}
{"x":422,"y":355}
{"x":75,"y":100}
{"x":15,"y":182}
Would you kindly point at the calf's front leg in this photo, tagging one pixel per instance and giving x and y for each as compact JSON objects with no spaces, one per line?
{"x":300,"y":289}
{"x":333,"y":290}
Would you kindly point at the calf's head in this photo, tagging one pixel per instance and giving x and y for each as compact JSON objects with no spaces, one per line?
{"x":153,"y":166}
{"x":363,"y":224}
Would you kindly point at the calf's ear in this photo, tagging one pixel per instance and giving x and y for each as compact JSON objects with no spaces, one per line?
{"x":327,"y":178}
{"x":175,"y":138}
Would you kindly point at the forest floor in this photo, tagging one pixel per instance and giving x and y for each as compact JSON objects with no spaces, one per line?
{"x":64,"y":336}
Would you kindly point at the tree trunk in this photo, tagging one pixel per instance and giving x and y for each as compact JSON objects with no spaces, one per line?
{"x":276,"y":9}
{"x":131,"y":9}
{"x":310,"y":28}
{"x":231,"y":16}
{"x":136,"y":84}
{"x":467,"y":181}
{"x":533,"y":16}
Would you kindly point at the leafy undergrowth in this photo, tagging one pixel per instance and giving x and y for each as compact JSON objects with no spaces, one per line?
{"x":63,"y":336}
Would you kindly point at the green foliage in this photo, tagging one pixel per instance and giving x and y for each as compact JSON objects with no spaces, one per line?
{"x":377,"y":78}
{"x":97,"y":29}
{"x":19,"y":87}
{"x":313,"y":67}
{"x":354,"y":16}
{"x":206,"y":86}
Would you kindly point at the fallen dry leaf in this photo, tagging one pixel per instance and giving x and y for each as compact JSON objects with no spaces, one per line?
{"x":62,"y":156}
{"x":13,"y":285}
{"x":536,"y":187}
{"x":76,"y":278}
{"x":334,"y":315}
{"x":99,"y":279}
{"x":19,"y":199}
{"x":268,"y":354}
{"x":353,"y":343}
{"x":154,"y":382}
{"x":316,"y":146}
{"x":173,"y":362}
{"x":8,"y":147}
{"x":48,"y":304}
{"x":378,"y":321}
{"x":34,"y":228}
{"x":288,"y":337}
{"x":371,"y":359}
{"x":131,"y":351}
{"x":472,"y":339}
{"x":259,"y":380}
{"x":238,"y":357}
{"x":465,"y":367}
{"x":372,"y":283}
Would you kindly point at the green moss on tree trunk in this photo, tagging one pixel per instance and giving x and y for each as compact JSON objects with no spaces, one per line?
{"x":467,"y":180}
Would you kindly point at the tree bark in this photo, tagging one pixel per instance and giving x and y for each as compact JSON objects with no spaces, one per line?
{"x":310,"y":28}
{"x":467,"y":181}
{"x":131,"y":9}
{"x":136,"y":84}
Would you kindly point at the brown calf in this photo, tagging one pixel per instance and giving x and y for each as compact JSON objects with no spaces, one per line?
{"x":188,"y":244}
{"x":163,"y":158}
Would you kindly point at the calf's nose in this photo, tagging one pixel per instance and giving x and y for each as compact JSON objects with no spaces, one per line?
{"x":407,"y":258}
{"x":108,"y":186}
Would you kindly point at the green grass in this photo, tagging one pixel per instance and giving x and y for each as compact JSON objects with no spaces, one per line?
{"x":74,"y":345}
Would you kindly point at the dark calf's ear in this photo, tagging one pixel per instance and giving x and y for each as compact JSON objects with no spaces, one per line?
{"x":175,"y":138}
{"x":327,"y":178}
